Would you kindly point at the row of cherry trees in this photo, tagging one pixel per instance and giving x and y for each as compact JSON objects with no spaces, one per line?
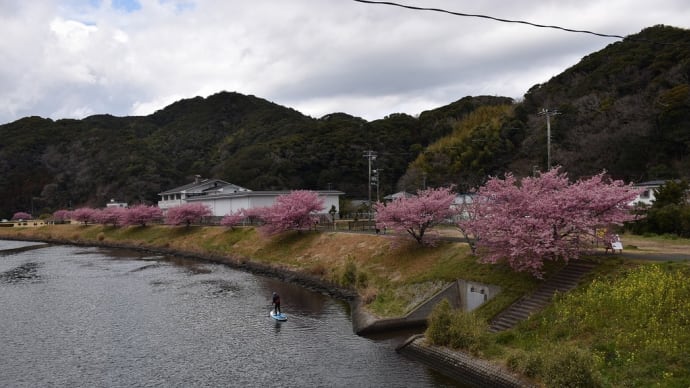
{"x":137,"y":215}
{"x":523,"y":222}
{"x":293,"y":211}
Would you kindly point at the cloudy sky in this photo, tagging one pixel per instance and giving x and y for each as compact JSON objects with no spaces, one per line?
{"x":72,"y":59}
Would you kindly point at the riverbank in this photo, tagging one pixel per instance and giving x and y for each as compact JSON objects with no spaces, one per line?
{"x":392,"y":276}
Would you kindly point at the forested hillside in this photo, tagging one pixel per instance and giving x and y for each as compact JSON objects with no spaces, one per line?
{"x":47,"y":165}
{"x":625,"y":109}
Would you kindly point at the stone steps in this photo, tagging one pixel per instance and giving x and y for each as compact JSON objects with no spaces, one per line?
{"x":565,"y":280}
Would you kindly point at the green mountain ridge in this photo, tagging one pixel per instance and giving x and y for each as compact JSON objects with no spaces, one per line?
{"x":624,"y":109}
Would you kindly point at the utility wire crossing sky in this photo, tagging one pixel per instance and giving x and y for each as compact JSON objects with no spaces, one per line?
{"x":72,"y":59}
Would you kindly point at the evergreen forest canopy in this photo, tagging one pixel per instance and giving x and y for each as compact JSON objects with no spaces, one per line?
{"x":625,"y":109}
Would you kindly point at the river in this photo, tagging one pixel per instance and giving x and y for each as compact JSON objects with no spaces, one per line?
{"x":95,"y":317}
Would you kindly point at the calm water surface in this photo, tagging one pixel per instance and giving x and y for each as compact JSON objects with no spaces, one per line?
{"x":93,"y":317}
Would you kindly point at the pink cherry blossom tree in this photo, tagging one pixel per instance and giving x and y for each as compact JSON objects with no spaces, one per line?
{"x":544,"y":217}
{"x":187,"y":214}
{"x":85,"y":215}
{"x":62,"y":215}
{"x":21,"y":216}
{"x":233,"y":218}
{"x":110,"y":215}
{"x":142,"y":215}
{"x":291,"y":211}
{"x":416,"y":215}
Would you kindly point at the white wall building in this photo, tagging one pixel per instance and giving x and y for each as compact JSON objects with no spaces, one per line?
{"x":114,"y":203}
{"x":198,"y":188}
{"x":223,"y":197}
{"x":647,"y":194}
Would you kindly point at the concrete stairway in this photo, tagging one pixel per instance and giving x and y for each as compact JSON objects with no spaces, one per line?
{"x":564,"y":280}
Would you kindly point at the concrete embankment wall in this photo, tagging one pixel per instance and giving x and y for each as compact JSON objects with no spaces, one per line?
{"x":460,"y":366}
{"x":12,"y":251}
{"x":364,"y":324}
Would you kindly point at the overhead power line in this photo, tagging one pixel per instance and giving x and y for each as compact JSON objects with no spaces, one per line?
{"x":510,"y":21}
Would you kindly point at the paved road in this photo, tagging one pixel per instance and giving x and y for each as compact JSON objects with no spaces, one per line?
{"x":654,"y":256}
{"x":627,"y":254}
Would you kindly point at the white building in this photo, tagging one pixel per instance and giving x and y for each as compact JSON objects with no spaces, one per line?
{"x":223,"y":197}
{"x":198,"y":188}
{"x":648,"y":190}
{"x":114,"y":203}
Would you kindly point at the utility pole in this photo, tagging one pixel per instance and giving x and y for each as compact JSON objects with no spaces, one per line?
{"x":370,"y":155}
{"x":377,"y":181}
{"x":548,"y":114}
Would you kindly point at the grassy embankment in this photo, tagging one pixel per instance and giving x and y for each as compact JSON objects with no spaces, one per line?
{"x":627,"y":325}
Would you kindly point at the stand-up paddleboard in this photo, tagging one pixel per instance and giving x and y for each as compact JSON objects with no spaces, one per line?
{"x":278,"y":317}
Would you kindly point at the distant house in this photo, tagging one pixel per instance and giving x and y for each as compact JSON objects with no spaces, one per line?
{"x":647,"y":194}
{"x":224,"y":198}
{"x":399,"y":194}
{"x":114,"y":203}
{"x":459,"y":207}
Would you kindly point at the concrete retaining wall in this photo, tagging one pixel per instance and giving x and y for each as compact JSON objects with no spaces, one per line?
{"x":365,"y":324}
{"x":12,"y":251}
{"x":460,"y":366}
{"x":451,"y":293}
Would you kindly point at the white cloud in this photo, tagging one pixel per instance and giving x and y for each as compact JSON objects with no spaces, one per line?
{"x":143,"y":108}
{"x":71,"y":58}
{"x":72,"y":36}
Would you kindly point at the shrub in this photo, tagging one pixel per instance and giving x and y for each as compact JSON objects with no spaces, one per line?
{"x":568,"y":366}
{"x":362,"y":280}
{"x":455,"y":328}
{"x":440,"y":319}
{"x":467,"y":331}
{"x":349,"y":277}
{"x":527,"y":364}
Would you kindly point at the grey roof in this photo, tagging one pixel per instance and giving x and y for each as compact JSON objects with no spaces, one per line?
{"x":249,"y":193}
{"x":400,"y":194}
{"x":204,"y":186}
{"x":655,"y":183}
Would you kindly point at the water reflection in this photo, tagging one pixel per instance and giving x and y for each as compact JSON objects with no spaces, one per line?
{"x":27,"y":272}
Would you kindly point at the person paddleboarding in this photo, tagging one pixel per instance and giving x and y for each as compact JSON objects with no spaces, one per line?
{"x":276,"y":303}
